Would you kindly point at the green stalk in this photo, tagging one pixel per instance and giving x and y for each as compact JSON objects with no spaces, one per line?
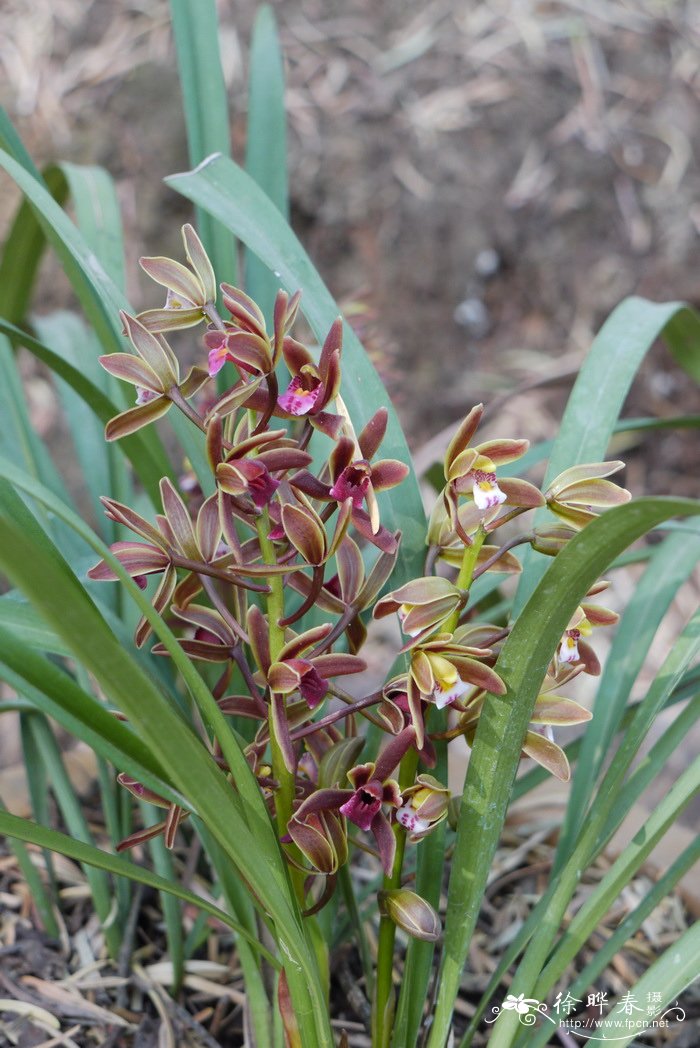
{"x":466,"y":573}
{"x":275,"y":611}
{"x":382,"y":1021}
{"x":382,"y":1018}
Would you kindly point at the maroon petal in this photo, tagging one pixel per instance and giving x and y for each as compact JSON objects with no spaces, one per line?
{"x":313,"y":687}
{"x":133,"y":419}
{"x":364,"y":805}
{"x":386,"y":842}
{"x":130,"y":368}
{"x":341,"y":456}
{"x":259,"y":637}
{"x":310,"y":485}
{"x":135,"y":557}
{"x":296,"y":355}
{"x":373,"y":434}
{"x":384,"y":540}
{"x":388,"y":473}
{"x":179,"y":519}
{"x":338,"y":664}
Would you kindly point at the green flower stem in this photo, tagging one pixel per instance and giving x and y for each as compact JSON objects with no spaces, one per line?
{"x":275,"y":611}
{"x":466,"y":573}
{"x":382,"y":1019}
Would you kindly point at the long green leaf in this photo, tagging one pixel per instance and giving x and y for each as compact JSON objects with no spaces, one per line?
{"x":668,"y":569}
{"x":600,"y":826}
{"x":677,"y":691}
{"x":227,"y":192}
{"x":23,"y":830}
{"x":503,"y":721}
{"x":149,"y":464}
{"x":24,"y":247}
{"x":196,"y":32}
{"x":53,"y":692}
{"x":602,"y":386}
{"x":44,"y":577}
{"x":40,"y":894}
{"x":76,"y":823}
{"x":97,"y":215}
{"x":631,"y":924}
{"x":677,"y":968}
{"x":99,"y":296}
{"x":266,"y":142}
{"x":587,"y":918}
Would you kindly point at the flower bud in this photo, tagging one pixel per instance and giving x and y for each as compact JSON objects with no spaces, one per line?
{"x":321,"y":838}
{"x":411,"y":913}
{"x":552,"y":539}
{"x":424,"y":805}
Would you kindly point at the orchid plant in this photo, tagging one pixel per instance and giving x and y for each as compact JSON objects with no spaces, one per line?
{"x":283,"y":533}
{"x":220,"y":679}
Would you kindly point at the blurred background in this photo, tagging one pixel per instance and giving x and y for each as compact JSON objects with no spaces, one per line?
{"x":479,"y":184}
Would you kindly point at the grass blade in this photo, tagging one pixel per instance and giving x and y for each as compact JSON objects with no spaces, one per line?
{"x":668,"y":569}
{"x":196,"y":32}
{"x":503,"y":721}
{"x":43,"y":575}
{"x":71,"y":810}
{"x":266,"y":143}
{"x":587,"y":918}
{"x":602,"y":386}
{"x":599,"y":826}
{"x":677,"y":968}
{"x":23,"y":830}
{"x":37,"y":889}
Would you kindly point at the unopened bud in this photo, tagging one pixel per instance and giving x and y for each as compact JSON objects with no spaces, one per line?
{"x":411,"y":913}
{"x":551,"y":540}
{"x":424,"y":806}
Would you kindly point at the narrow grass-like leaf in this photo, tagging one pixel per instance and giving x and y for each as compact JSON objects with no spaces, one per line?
{"x":71,"y":810}
{"x":196,"y":31}
{"x":149,"y":462}
{"x":266,"y":143}
{"x":503,"y":721}
{"x":593,"y":838}
{"x":53,"y":692}
{"x":228,"y":193}
{"x":23,"y":830}
{"x":631,"y":924}
{"x":44,"y":577}
{"x":39,"y":892}
{"x":99,"y":296}
{"x":241,"y":907}
{"x":668,"y":569}
{"x":172,"y":910}
{"x":419,"y":962}
{"x":25,"y":625}
{"x":97,"y":215}
{"x":602,"y":386}
{"x":679,"y":691}
{"x":587,"y":918}
{"x":23,"y":249}
{"x":677,"y":968}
